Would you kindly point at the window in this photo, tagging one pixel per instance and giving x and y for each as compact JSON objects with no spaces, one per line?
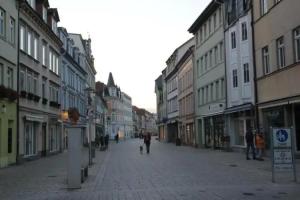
{"x":217,"y":90}
{"x":29,"y":82}
{"x":216,"y":55}
{"x":200,"y":34}
{"x":44,"y":88}
{"x":44,"y":54}
{"x":35,"y":48}
{"x":29,"y":43}
{"x":220,"y":16}
{"x":206,"y":94}
{"x":22,"y":37}
{"x":233,"y":40}
{"x":205,"y":61}
{"x":35,"y":84}
{"x":54,"y":26}
{"x":54,"y":93}
{"x":211,"y":92}
{"x":201,"y":65}
{"x":44,"y":13}
{"x":210,"y":58}
{"x":234,"y":78}
{"x":244,"y":31}
{"x":297,"y":44}
{"x":209,"y":25}
{"x":222,"y":88}
{"x":221,"y":51}
{"x":204,"y":31}
{"x":246,"y":73}
{"x":263,"y":7}
{"x":12,"y":29}
{"x":22,"y":79}
{"x":265,"y":60}
{"x":198,"y":68}
{"x":202,"y":95}
{"x":2,"y":22}
{"x":50,"y":59}
{"x":10,"y":76}
{"x":31,"y":3}
{"x":280,"y":52}
{"x":1,"y":73}
{"x":215,"y":21}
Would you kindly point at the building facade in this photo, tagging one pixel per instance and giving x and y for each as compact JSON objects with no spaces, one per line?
{"x":40,"y":127}
{"x":209,"y":76}
{"x":115,"y":118}
{"x":171,"y":80}
{"x":161,"y":101}
{"x":240,"y":112}
{"x":8,"y":81}
{"x":186,"y":99}
{"x":84,"y":54}
{"x":277,"y":53}
{"x":73,"y":76}
{"x":127,"y":113}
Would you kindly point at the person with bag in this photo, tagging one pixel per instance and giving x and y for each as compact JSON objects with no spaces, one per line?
{"x":250,"y":144}
{"x":147,"y":141}
{"x":260,"y":145}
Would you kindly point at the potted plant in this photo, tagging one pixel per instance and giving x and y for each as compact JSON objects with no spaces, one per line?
{"x":13,"y":95}
{"x":30,"y":96}
{"x":45,"y":101}
{"x":36,"y":98}
{"x":73,"y":115}
{"x":23,"y":93}
{"x":3,"y":91}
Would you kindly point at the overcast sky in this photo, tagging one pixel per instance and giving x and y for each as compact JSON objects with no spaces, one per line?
{"x":131,"y":38}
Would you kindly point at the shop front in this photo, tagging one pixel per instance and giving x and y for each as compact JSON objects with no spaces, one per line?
{"x":214,"y":131}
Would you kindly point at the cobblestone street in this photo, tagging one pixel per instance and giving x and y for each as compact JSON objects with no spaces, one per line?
{"x":168,"y":172}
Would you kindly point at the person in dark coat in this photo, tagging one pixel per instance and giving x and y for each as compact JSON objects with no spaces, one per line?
{"x":106,"y":138}
{"x":250,"y":144}
{"x":101,"y":142}
{"x":117,"y":138}
{"x":147,"y":141}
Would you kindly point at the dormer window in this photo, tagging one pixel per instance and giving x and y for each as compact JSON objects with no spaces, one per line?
{"x":31,"y":3}
{"x":45,"y":14}
{"x":54,"y":26}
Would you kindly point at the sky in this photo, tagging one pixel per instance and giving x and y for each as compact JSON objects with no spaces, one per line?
{"x":131,"y":38}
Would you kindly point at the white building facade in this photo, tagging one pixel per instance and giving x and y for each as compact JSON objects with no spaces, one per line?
{"x":239,"y":71}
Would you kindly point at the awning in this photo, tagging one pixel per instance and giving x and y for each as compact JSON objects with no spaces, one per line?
{"x":34,"y":118}
{"x":239,"y":108}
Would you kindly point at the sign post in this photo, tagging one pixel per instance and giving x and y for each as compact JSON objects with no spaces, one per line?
{"x":282,"y":152}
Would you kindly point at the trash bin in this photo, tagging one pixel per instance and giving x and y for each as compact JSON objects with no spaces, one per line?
{"x":178,"y":142}
{"x":93,"y":152}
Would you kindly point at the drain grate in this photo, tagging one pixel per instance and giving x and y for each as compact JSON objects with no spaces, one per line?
{"x":52,"y":176}
{"x":282,"y":193}
{"x":232,"y":165}
{"x":248,"y":194}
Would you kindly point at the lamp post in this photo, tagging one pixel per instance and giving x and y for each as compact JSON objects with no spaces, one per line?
{"x":89,"y":118}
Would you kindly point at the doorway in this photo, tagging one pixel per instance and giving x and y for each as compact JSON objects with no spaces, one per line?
{"x":297,"y":126}
{"x":44,"y":140}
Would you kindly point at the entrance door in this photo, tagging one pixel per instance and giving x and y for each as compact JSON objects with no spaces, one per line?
{"x":44,"y":141}
{"x":218,"y":131}
{"x":297,"y":123}
{"x":30,"y":139}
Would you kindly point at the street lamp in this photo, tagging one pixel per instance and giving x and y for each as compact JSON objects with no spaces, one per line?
{"x":89,"y":118}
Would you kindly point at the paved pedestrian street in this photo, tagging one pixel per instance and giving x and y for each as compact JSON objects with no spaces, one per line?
{"x":169,"y":172}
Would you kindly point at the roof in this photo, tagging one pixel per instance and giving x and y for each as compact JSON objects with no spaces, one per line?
{"x":77,"y":38}
{"x":110,"y":82}
{"x":54,"y":13}
{"x":212,"y":6}
{"x":158,"y":82}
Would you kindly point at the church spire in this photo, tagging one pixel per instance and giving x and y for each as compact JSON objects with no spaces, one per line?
{"x":110,"y":82}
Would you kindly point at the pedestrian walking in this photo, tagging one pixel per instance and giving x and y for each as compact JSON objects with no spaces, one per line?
{"x":250,"y":144}
{"x":117,"y":138}
{"x":147,"y":141}
{"x":260,"y":145}
{"x":106,"y":138}
{"x":102,"y":143}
